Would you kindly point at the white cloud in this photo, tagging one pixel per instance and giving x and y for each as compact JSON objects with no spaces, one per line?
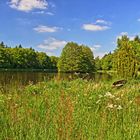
{"x":39,"y":12}
{"x":121,"y":34}
{"x":99,"y":25}
{"x":138,"y":19}
{"x":96,"y":51}
{"x":43,"y":12}
{"x":131,"y":37}
{"x":52,"y":44}
{"x":95,"y":47}
{"x":124,"y":33}
{"x":94,"y":27}
{"x":28,"y":5}
{"x":43,"y":29}
{"x":101,"y":21}
{"x":99,"y":53}
{"x":50,"y":13}
{"x":52,"y":4}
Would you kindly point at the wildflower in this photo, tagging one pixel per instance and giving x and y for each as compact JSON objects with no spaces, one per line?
{"x":119,"y":107}
{"x":110,"y":106}
{"x":117,"y":99}
{"x":108,"y":94}
{"x":131,"y":102}
{"x":100,"y":96}
{"x":9,"y":98}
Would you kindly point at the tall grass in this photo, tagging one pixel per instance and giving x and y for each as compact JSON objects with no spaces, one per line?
{"x":76,"y":110}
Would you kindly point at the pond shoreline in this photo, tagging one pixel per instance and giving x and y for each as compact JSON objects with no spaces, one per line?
{"x":29,"y":70}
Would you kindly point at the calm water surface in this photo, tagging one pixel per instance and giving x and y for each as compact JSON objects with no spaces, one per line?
{"x":9,"y":79}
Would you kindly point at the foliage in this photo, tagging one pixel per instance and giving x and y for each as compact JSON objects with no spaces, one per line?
{"x":24,"y":58}
{"x":43,"y":60}
{"x":54,"y":61}
{"x":76,"y":58}
{"x":98,"y":64}
{"x":125,"y":57}
{"x":106,"y":62}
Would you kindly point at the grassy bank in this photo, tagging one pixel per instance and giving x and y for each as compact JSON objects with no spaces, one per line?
{"x":76,"y":110}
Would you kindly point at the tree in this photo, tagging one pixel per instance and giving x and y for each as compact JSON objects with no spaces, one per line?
{"x":44,"y":60}
{"x":76,"y":58}
{"x":98,"y":64}
{"x":54,"y":62}
{"x":87,"y":61}
{"x":137,"y":39}
{"x":107,"y":62}
{"x":125,"y":58}
{"x":2,"y":45}
{"x":5,"y":58}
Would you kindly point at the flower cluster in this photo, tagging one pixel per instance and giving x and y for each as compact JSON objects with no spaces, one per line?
{"x":107,"y":97}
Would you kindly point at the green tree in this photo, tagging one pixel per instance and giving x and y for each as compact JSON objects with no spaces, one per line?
{"x":98,"y":64}
{"x":107,"y":61}
{"x":54,"y":62}
{"x":125,"y":58}
{"x":76,"y":58}
{"x":44,"y":60}
{"x":2,"y":45}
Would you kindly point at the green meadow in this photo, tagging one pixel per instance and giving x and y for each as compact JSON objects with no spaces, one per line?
{"x":71,"y":110}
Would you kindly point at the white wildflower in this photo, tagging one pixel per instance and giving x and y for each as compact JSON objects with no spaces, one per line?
{"x":119,"y":107}
{"x":117,"y":99}
{"x":110,"y":106}
{"x":108,"y":94}
{"x":131,"y":102}
{"x":100,"y":96}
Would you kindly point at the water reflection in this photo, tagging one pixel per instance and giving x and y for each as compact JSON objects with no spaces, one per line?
{"x":23,"y":78}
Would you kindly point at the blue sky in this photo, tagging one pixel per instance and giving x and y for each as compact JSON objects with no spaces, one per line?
{"x":47,"y":25}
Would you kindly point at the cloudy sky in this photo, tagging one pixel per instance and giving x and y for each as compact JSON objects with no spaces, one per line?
{"x":47,"y":25}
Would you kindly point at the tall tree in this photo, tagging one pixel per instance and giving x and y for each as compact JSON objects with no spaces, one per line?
{"x":76,"y":58}
{"x":125,"y":60}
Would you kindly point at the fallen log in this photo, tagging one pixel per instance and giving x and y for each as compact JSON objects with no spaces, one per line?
{"x":119,"y":83}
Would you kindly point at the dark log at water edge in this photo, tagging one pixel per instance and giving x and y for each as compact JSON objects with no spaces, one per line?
{"x":119,"y":83}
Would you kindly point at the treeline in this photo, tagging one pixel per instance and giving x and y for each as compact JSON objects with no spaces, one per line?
{"x":74,"y":58}
{"x":125,"y":59}
{"x":25,"y":58}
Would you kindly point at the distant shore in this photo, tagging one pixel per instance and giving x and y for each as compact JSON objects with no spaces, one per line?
{"x":30,"y":70}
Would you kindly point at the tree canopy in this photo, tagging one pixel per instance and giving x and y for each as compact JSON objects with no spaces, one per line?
{"x":24,"y":58}
{"x":127,"y":56}
{"x":76,"y":58}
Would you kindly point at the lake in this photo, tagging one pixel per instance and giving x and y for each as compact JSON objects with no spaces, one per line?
{"x":10,"y":79}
